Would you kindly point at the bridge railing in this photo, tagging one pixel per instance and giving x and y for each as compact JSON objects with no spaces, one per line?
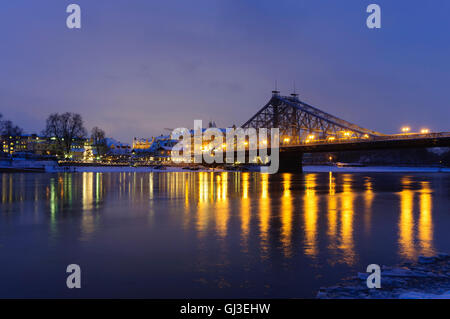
{"x":353,"y":139}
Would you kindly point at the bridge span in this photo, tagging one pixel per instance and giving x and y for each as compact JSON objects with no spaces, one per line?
{"x":291,"y":156}
{"x":307,"y":129}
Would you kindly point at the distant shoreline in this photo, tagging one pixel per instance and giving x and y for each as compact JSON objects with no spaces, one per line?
{"x":306,"y":169}
{"x":374,"y":169}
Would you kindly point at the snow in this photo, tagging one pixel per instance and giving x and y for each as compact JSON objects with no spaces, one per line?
{"x":373,"y":169}
{"x":428,"y":278}
{"x":419,"y":295}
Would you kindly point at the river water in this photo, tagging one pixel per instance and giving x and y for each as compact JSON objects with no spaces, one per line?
{"x":212,"y":235}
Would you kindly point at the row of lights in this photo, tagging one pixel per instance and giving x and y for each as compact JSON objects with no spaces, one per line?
{"x":311,"y":137}
{"x":407,"y":129}
{"x":224,"y":146}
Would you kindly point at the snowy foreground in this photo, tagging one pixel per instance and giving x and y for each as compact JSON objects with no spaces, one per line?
{"x":429,"y":278}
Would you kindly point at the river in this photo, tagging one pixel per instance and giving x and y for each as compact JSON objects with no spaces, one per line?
{"x":212,"y":235}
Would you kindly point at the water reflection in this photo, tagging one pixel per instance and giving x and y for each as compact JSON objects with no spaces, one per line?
{"x":264,"y":215}
{"x":426,"y":221}
{"x":308,"y":215}
{"x":245,"y":211}
{"x":369,"y":197}
{"x":202,"y":208}
{"x":221,"y":208}
{"x":406,"y":221}
{"x":287,"y":211}
{"x":332,"y":212}
{"x":412,"y":244}
{"x":347,"y":212}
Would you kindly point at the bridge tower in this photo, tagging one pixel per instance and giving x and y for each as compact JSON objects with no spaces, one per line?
{"x":300,"y":123}
{"x":275,"y":115}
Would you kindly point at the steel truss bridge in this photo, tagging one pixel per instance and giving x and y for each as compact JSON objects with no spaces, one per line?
{"x":307,"y":129}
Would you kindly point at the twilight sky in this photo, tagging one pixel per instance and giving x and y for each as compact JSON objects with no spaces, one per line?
{"x":139,"y":66}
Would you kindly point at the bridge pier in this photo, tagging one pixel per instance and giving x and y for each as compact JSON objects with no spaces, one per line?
{"x":291,"y":162}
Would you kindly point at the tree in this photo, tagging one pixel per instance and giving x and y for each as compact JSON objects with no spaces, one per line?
{"x":7,"y":128}
{"x":98,"y":140}
{"x":65,"y":128}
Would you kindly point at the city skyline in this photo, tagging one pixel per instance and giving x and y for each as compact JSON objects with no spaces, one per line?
{"x":137,"y":70}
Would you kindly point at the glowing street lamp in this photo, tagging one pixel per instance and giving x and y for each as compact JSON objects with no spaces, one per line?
{"x":406,"y":129}
{"x":424,"y":131}
{"x":286,"y":140}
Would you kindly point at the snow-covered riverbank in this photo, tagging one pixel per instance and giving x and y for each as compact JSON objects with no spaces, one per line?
{"x":428,"y":278}
{"x":373,"y":169}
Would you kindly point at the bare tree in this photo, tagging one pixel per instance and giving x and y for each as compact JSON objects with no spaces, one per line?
{"x":65,"y":128}
{"x":9,"y":129}
{"x":98,"y":140}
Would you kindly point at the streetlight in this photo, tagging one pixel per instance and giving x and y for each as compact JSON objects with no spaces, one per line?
{"x":406,"y":129}
{"x":424,"y":131}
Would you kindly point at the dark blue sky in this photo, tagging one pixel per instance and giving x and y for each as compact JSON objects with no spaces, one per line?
{"x":139,"y":66}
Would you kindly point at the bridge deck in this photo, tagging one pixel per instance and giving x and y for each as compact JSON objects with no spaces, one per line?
{"x":438,"y":140}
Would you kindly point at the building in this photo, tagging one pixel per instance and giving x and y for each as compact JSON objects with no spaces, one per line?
{"x":142,"y":143}
{"x":157,"y":149}
{"x":16,"y":144}
{"x":117,"y":151}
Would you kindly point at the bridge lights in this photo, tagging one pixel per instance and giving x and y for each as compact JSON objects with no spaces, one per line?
{"x":310,"y":138}
{"x":424,"y":131}
{"x":365,"y":136}
{"x":406,"y":129}
{"x":286,"y":140}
